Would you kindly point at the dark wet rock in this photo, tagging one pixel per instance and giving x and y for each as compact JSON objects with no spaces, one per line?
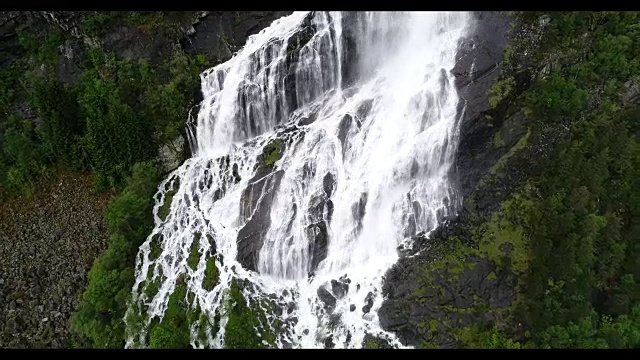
{"x":328,"y":343}
{"x":477,"y":66}
{"x":411,"y":303}
{"x":258,"y":209}
{"x":327,"y":298}
{"x":308,"y":120}
{"x":368,"y":300}
{"x":291,"y":307}
{"x":364,"y":109}
{"x":218,"y":34}
{"x":418,"y":310}
{"x":318,"y":242}
{"x":11,"y":22}
{"x":343,"y":128}
{"x":339,"y":288}
{"x":328,"y":184}
{"x":506,"y":248}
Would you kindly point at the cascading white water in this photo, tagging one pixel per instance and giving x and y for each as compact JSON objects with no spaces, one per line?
{"x":364,"y":167}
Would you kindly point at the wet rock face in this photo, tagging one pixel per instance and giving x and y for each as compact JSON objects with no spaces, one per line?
{"x":415,"y":302}
{"x":420,"y":309}
{"x":258,"y":208}
{"x":46,"y":250}
{"x":478,"y":58}
{"x":219,"y":34}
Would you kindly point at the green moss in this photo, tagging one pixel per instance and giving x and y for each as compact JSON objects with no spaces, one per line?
{"x":371,"y":344}
{"x":173,"y":330}
{"x":502,"y":233}
{"x":244,"y":319}
{"x":500,"y":164}
{"x":211,"y":274}
{"x":163,"y":212}
{"x":500,"y":90}
{"x":194,"y":255}
{"x":433,"y":325}
{"x":271,"y":152}
{"x":497,"y":139}
{"x":168,"y":336}
{"x":156,"y":248}
{"x":151,"y":288}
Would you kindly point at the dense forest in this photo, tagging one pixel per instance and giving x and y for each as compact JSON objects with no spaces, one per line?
{"x":573,"y":225}
{"x":578,"y":218}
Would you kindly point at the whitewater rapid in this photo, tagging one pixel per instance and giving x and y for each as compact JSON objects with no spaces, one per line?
{"x":365,"y":110}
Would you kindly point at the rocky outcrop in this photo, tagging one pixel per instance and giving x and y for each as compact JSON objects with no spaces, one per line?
{"x":47,"y":246}
{"x":10,"y":23}
{"x":218,"y":34}
{"x":477,"y":67}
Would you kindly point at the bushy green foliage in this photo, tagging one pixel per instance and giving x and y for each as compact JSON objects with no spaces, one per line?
{"x":97,"y":23}
{"x":115,"y":137}
{"x":119,"y":114}
{"x":63,"y":124}
{"x":476,"y":337}
{"x":23,"y":158}
{"x":99,"y":319}
{"x":173,"y":329}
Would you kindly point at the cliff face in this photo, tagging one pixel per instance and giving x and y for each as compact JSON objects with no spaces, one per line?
{"x":427,"y":298}
{"x":545,"y":242}
{"x":466,"y":275}
{"x":214,"y":36}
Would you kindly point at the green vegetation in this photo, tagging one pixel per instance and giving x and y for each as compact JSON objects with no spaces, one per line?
{"x":163,"y":212}
{"x":98,"y":321}
{"x":244,"y":318}
{"x":500,"y":90}
{"x":570,"y":235}
{"x":99,"y":23}
{"x":108,"y":121}
{"x":271,"y":152}
{"x":574,"y":227}
{"x":119,"y":114}
{"x":210,"y":274}
{"x":173,"y":330}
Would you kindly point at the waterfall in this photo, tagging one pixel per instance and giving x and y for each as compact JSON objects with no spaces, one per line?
{"x":320,"y":148}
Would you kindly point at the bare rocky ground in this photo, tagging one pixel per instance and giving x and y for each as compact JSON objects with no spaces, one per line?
{"x":47,"y":246}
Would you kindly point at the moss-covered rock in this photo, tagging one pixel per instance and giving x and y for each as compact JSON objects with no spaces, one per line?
{"x":247,"y":327}
{"x":272,"y":152}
